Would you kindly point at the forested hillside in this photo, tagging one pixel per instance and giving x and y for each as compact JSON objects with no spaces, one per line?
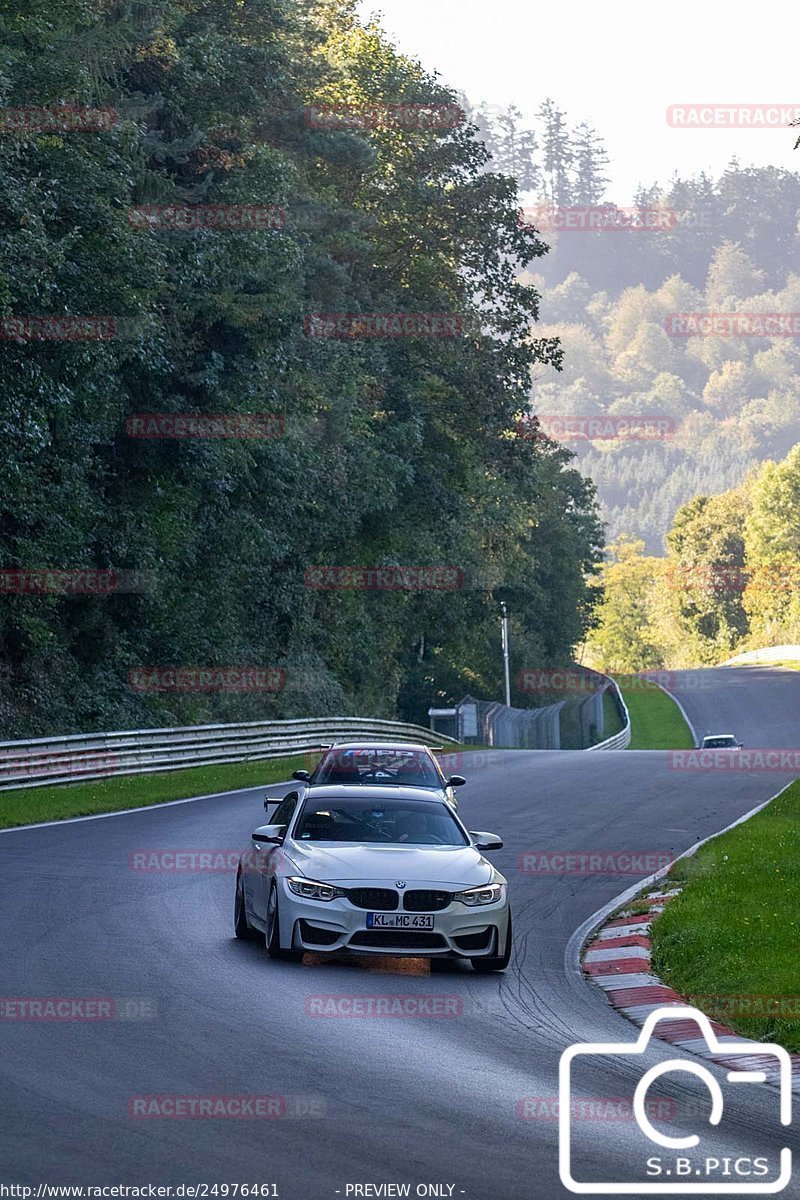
{"x":729,"y":582}
{"x":382,"y":450}
{"x":729,"y":245}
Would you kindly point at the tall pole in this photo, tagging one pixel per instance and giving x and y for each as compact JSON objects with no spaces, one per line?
{"x":504,"y":627}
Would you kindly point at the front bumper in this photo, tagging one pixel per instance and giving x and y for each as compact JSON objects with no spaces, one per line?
{"x":338,"y":925}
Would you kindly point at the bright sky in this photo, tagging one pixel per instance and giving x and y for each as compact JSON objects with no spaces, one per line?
{"x":619,"y":66}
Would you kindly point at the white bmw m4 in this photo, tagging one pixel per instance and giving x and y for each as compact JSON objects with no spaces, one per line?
{"x":373,"y":871}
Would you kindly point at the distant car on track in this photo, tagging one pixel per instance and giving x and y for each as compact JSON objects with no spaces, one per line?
{"x":373,"y":870}
{"x":720,"y":741}
{"x":379,"y":764}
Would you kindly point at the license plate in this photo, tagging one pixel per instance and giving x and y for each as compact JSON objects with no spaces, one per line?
{"x":399,"y":921}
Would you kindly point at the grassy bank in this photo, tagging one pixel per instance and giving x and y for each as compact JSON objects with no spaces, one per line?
{"x":26,"y":806}
{"x":734,"y":932}
{"x":656,"y":720}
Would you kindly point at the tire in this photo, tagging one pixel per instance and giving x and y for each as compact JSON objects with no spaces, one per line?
{"x":272,"y":937}
{"x":484,"y":966}
{"x":241,"y":925}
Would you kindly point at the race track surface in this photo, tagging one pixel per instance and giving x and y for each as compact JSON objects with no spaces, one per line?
{"x":369,"y":1100}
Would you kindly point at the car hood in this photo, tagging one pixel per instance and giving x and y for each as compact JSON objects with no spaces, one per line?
{"x":463,"y":865}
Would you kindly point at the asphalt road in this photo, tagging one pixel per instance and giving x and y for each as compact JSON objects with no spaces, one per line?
{"x":405,"y":1101}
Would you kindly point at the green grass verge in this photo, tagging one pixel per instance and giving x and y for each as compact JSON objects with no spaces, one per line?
{"x":656,"y":721}
{"x":612,"y":721}
{"x":26,"y":806}
{"x":734,"y":931}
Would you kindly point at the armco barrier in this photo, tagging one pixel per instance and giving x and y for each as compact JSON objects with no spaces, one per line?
{"x":621,"y":740}
{"x":79,"y":756}
{"x":771,"y":654}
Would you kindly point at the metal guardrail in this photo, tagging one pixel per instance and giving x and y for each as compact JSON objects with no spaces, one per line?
{"x":621,"y":740}
{"x":80,"y":757}
{"x":768,"y":655}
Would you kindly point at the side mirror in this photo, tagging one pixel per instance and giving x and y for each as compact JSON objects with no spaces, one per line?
{"x":486,"y":841}
{"x":301,"y":775}
{"x":271,"y":834}
{"x":456,"y":781}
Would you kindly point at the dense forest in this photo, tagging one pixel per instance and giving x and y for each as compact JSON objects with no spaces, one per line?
{"x":371,"y":452}
{"x":727,"y":245}
{"x":730,"y":580}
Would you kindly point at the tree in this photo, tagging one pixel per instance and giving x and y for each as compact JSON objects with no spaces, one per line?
{"x":623,"y":639}
{"x":557,"y":153}
{"x":590,"y":161}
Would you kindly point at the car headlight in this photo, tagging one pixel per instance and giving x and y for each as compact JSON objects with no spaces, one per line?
{"x":310,"y":889}
{"x":473,"y":897}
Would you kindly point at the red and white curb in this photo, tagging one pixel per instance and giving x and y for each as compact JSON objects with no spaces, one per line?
{"x":617,"y":959}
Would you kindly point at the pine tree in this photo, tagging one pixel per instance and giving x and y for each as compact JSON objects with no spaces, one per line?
{"x":516,"y":150}
{"x":557,"y":153}
{"x":589,"y":163}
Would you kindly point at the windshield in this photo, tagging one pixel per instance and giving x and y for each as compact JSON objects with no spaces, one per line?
{"x":719,"y":743}
{"x":396,"y":822}
{"x":412,"y":768}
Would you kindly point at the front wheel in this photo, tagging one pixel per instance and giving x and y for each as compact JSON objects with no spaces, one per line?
{"x":484,"y":966}
{"x":241,"y":926}
{"x":273,"y":934}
